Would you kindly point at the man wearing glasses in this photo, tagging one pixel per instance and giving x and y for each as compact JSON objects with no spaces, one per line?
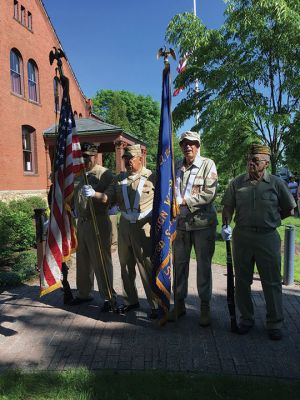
{"x":88,"y":260}
{"x":133,"y":191}
{"x":259,"y":201}
{"x":196,"y":186}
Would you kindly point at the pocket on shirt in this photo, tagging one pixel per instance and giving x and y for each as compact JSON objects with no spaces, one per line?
{"x":269,"y":196}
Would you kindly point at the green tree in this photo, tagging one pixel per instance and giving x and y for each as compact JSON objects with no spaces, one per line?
{"x":248,"y":71}
{"x":136,"y":114}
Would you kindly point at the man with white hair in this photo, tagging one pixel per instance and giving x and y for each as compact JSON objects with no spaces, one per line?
{"x":196,"y":186}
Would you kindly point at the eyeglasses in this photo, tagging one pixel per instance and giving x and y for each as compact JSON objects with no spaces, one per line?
{"x":256,"y":160}
{"x":189,"y":142}
{"x":88,"y":155}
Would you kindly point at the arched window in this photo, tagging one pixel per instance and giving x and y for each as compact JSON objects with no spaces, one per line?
{"x":16,"y":72}
{"x":57,"y":94}
{"x":29,"y":149}
{"x":33,"y":89}
{"x":16,"y":9}
{"x":23,"y":16}
{"x":80,"y":115}
{"x":75,"y":114}
{"x":29,"y":20}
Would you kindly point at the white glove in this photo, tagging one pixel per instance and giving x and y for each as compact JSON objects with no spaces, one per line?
{"x":226,"y":232}
{"x":88,"y":191}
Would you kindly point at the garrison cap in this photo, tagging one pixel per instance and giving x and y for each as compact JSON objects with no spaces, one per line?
{"x":132,"y":151}
{"x":257,"y":148}
{"x":89,"y":149}
{"x":191,"y":136}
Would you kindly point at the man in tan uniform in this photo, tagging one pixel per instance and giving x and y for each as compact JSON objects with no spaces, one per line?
{"x":133,"y":193}
{"x":88,"y":260}
{"x":259,"y":201}
{"x":196,"y":185}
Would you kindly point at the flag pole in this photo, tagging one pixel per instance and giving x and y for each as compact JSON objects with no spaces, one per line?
{"x":58,"y":54}
{"x":164,"y":203}
{"x":197,"y":119}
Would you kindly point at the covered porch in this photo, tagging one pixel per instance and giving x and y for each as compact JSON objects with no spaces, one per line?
{"x":109,"y":139}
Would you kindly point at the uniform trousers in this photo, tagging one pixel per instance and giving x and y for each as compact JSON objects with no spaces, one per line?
{"x":262,"y":249}
{"x":88,"y":260}
{"x":203,"y":241}
{"x":114,"y":231}
{"x":134,"y":248}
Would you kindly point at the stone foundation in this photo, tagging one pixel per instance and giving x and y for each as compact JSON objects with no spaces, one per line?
{"x":8,"y":195}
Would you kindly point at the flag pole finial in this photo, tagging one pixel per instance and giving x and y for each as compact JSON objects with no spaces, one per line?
{"x":165,"y":53}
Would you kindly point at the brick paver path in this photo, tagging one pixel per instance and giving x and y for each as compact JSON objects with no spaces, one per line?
{"x":44,"y":334}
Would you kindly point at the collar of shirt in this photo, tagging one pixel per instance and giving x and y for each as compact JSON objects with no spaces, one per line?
{"x":196,"y":163}
{"x":266,"y":177}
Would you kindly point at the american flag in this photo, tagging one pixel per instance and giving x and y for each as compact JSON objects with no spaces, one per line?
{"x":181,"y":67}
{"x":61,"y":239}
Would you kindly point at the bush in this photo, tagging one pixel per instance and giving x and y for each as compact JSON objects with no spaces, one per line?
{"x":17,"y":231}
{"x":24,"y":267}
{"x":3,"y":207}
{"x":28,"y":205}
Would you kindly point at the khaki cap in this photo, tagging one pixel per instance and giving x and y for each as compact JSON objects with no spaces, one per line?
{"x":257,"y":148}
{"x":191,"y":136}
{"x":132,"y":151}
{"x":89,"y":149}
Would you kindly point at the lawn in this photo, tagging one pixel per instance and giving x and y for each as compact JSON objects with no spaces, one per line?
{"x":220,"y":252}
{"x":81,"y":384}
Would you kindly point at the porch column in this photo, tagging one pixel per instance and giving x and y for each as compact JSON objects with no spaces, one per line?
{"x":100,"y":159}
{"x":119,"y":151}
{"x":144,"y":156}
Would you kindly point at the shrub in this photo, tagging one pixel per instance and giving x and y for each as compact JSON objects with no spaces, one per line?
{"x":28,"y":205}
{"x":3,"y":207}
{"x":24,"y":267}
{"x":17,"y":231}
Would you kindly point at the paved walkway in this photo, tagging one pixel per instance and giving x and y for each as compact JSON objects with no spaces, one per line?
{"x":44,"y":334}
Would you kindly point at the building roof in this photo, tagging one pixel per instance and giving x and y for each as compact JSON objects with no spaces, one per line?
{"x":87,"y":126}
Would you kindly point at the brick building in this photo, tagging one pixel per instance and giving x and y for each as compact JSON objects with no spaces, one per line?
{"x":27,"y":105}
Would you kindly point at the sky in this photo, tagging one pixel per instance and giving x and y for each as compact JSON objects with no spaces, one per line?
{"x":112,"y":44}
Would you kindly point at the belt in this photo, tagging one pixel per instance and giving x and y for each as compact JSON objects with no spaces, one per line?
{"x":134,"y":217}
{"x":257,"y":229}
{"x":84,"y":219}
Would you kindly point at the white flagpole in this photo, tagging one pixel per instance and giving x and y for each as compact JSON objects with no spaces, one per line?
{"x":196,"y":82}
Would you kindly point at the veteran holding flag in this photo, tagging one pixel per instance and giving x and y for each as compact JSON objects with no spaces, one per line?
{"x":196,"y":186}
{"x":259,"y":201}
{"x":132,"y":191}
{"x":89,"y":260}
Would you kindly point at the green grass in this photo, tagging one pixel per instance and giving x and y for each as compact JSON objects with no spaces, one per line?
{"x":220,"y":251}
{"x":81,"y":384}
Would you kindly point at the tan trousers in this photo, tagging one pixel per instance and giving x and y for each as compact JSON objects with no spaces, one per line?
{"x":114,"y":232}
{"x":88,"y":260}
{"x":134,"y":247}
{"x":262,"y":249}
{"x":203,"y":241}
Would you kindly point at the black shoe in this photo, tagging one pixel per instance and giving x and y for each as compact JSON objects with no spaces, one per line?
{"x":153,"y":314}
{"x":124,"y":308}
{"x":106,"y":306}
{"x":243,"y":329}
{"x":68,"y":298}
{"x":275,"y":334}
{"x":77,"y":301}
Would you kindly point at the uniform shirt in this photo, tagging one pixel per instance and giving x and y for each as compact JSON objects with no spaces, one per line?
{"x":203,"y":191}
{"x":258,"y":204}
{"x":99,"y":178}
{"x":115,"y":194}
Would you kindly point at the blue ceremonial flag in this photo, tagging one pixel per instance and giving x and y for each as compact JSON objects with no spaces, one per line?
{"x":164,"y":205}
